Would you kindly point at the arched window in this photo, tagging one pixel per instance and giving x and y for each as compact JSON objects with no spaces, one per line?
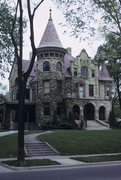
{"x":84,"y":71}
{"x":46,"y":66}
{"x":59,"y":67}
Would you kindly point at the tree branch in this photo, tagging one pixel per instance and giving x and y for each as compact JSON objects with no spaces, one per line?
{"x":37,"y":7}
{"x":12,"y":33}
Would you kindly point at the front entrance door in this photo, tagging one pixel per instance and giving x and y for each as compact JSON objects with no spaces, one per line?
{"x":89,"y":112}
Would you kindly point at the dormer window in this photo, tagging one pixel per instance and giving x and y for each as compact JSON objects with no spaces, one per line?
{"x":46,"y":66}
{"x":84,"y":71}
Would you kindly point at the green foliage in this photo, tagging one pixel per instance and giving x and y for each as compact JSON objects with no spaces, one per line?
{"x":6,"y":46}
{"x":110,"y":53}
{"x":81,"y":15}
{"x":112,"y":118}
{"x":59,"y":122}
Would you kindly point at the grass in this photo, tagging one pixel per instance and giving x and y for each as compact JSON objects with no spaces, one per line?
{"x":32,"y":162}
{"x":99,"y":158}
{"x":77,"y":142}
{"x":8,"y":145}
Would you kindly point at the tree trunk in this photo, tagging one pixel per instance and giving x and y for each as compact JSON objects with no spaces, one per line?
{"x":21,"y":118}
{"x":118,"y":89}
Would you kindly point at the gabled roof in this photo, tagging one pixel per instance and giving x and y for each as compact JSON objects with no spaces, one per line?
{"x":104,"y":74}
{"x":50,"y":37}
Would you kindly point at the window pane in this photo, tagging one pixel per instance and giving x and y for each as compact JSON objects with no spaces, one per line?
{"x":84,"y":71}
{"x":93,"y":73}
{"x":27,"y":93}
{"x":46,"y":86}
{"x":58,"y":67}
{"x":46,"y":66}
{"x":75,"y":71}
{"x":59,"y":86}
{"x":81,"y":91}
{"x":91,"y":90}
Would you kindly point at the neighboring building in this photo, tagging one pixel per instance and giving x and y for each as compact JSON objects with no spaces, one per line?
{"x":60,"y":83}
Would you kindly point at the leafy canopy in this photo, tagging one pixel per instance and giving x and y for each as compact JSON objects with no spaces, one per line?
{"x":89,"y":15}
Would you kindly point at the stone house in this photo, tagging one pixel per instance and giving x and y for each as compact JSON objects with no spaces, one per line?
{"x":60,"y":83}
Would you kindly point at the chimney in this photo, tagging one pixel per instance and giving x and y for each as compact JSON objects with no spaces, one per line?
{"x":69,"y":50}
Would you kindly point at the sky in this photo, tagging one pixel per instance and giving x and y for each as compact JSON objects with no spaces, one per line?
{"x":41,"y":19}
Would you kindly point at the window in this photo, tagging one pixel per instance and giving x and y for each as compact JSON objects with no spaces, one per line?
{"x":75,"y":72}
{"x":59,"y":108}
{"x":27,"y":93}
{"x":59,"y":67}
{"x":91,"y":90}
{"x":46,"y":107}
{"x":92,"y":73}
{"x":46,"y":87}
{"x":81,"y":90}
{"x":56,"y":55}
{"x":84,"y":71}
{"x":33,"y":94}
{"x":59,"y":86}
{"x":46,"y":66}
{"x":46,"y":54}
{"x":107,"y":91}
{"x":51,"y":54}
{"x":75,"y":90}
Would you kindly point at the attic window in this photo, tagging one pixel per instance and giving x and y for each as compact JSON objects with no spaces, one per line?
{"x":56,"y":55}
{"x":46,"y":55}
{"x":41,"y":55}
{"x":51,"y":54}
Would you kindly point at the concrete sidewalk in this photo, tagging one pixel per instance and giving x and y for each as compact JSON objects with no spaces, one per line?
{"x":7,"y":133}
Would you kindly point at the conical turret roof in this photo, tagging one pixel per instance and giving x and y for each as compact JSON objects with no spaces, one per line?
{"x":104,"y":74}
{"x":50,"y":37}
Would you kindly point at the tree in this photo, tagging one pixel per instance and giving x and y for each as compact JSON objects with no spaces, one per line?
{"x":112,"y":117}
{"x":6,"y":46}
{"x":81,"y":15}
{"x":3,"y":88}
{"x":110,"y":53}
{"x":23,"y":77}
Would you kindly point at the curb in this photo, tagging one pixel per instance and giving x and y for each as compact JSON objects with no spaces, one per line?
{"x":14,"y":168}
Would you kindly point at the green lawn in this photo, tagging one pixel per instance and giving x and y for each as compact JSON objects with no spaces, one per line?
{"x":99,"y":158}
{"x":8,"y":146}
{"x":32,"y":162}
{"x":77,"y":142}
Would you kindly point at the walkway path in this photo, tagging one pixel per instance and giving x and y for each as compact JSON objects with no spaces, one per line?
{"x":7,"y":133}
{"x":34,"y":147}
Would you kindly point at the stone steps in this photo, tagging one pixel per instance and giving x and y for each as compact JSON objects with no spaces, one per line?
{"x":39,"y":149}
{"x":94,"y":125}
